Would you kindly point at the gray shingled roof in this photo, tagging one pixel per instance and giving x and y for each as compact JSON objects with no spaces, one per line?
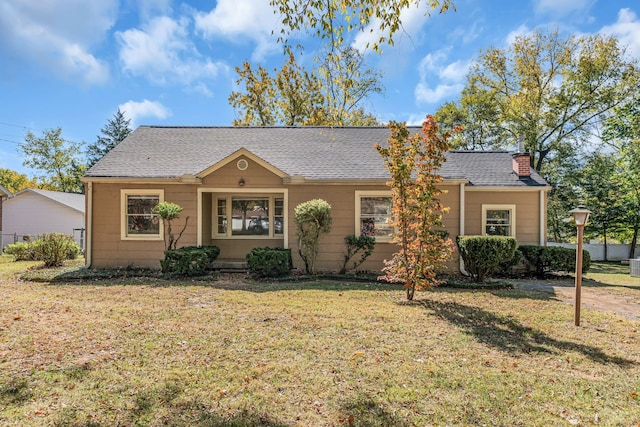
{"x":317,"y":153}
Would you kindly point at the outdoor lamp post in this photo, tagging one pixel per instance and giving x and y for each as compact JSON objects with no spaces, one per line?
{"x":580,"y":216}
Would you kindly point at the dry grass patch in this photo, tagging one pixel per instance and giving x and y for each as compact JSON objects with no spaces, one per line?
{"x":235,"y":352}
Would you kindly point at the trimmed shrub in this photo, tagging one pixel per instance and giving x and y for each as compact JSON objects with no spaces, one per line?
{"x":55,"y":248}
{"x":269,"y":262}
{"x":189,"y":260}
{"x":21,"y":251}
{"x":356,"y":244}
{"x":545,"y":259}
{"x":506,"y":268}
{"x":312,"y":219}
{"x":482,"y":255}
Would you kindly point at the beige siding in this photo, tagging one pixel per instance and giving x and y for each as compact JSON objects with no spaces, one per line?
{"x":108,"y":247}
{"x":527,"y":212}
{"x":110,"y":250}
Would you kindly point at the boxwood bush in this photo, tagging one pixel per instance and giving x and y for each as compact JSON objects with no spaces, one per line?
{"x":269,"y":262}
{"x":189,"y":260}
{"x":482,"y":255}
{"x":544,"y":259}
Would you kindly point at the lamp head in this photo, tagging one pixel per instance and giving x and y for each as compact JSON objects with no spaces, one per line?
{"x":580,"y":215}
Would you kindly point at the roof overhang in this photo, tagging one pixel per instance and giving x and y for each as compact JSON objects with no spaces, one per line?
{"x":5,"y":193}
{"x":503,"y":188}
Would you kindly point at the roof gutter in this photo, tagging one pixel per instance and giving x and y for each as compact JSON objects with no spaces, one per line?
{"x":184,"y":179}
{"x":88,"y":225}
{"x":463,"y":271}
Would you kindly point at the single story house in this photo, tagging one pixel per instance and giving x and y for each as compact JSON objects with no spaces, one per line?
{"x":4,"y":194}
{"x":32,"y":212}
{"x":239,"y":187}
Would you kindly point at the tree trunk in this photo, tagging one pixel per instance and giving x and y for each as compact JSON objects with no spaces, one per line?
{"x":634,"y":241}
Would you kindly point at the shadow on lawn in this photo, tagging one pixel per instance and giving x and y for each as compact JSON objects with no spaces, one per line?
{"x":508,"y":335}
{"x":367,"y":412}
{"x":166,"y":404}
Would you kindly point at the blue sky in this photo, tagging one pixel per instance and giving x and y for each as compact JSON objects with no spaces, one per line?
{"x":73,"y":63}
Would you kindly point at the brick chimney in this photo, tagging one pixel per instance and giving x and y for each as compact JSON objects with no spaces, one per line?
{"x":522,"y":164}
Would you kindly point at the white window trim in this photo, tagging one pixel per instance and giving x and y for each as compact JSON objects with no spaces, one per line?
{"x":124,"y":193}
{"x":511,"y":208}
{"x":271,"y":195}
{"x":369,"y":193}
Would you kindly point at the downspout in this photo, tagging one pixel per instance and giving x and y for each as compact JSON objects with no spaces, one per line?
{"x":543,"y":239}
{"x":89,"y":224}
{"x":461,"y":231}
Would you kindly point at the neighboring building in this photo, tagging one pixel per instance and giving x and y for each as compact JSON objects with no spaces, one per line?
{"x":234,"y":182}
{"x":30,"y":213}
{"x":4,"y":194}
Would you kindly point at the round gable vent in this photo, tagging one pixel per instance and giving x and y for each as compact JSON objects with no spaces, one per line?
{"x":242,"y":164}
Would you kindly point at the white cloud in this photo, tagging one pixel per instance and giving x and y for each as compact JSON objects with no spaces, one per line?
{"x":151,"y":8}
{"x":559,"y":8}
{"x":627,"y":30}
{"x":425,"y":94}
{"x":134,"y":110}
{"x":241,"y":19}
{"x":513,"y":35}
{"x":162,"y":52}
{"x":413,"y":18}
{"x":416,"y":119}
{"x":58,"y":34}
{"x":448,"y":79}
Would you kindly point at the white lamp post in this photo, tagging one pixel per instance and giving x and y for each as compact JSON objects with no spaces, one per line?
{"x":581,"y":216}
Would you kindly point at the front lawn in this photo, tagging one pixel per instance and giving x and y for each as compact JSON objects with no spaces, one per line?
{"x":136,"y":351}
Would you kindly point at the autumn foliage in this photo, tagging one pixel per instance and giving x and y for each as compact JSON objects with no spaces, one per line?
{"x":413,"y":162}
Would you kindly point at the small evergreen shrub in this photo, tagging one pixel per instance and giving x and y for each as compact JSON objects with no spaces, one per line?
{"x":21,"y":251}
{"x":544,"y":259}
{"x":55,"y":248}
{"x":312,"y":219}
{"x":189,"y":260}
{"x":506,"y":268}
{"x":482,"y":255}
{"x":269,"y":262}
{"x":357,"y":244}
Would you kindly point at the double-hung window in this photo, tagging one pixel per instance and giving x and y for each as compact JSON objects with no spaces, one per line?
{"x":499,"y":220}
{"x":374,"y":215}
{"x":139,"y":221}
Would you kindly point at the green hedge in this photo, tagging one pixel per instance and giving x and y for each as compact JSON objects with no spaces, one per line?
{"x":544,"y":259}
{"x":189,"y":260}
{"x":269,"y":262}
{"x":51,"y":248}
{"x":21,"y":251}
{"x":482,"y":255}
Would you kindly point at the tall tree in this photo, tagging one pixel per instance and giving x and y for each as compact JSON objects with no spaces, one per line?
{"x":346,"y":82}
{"x":476,"y":115}
{"x":115,"y":131}
{"x":332,"y":94}
{"x":413,"y":162}
{"x":332,"y":20}
{"x":622,"y":131}
{"x":602,"y":194}
{"x":56,"y":158}
{"x":14,"y":181}
{"x":256,"y":104}
{"x":550,"y":92}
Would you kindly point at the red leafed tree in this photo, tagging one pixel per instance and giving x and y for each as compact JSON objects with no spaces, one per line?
{"x":413,"y":162}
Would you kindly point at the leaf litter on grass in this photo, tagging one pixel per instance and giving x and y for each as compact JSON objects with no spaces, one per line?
{"x":309,"y":354}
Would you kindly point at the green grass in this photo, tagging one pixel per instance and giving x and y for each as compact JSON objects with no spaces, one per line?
{"x":231,"y":352}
